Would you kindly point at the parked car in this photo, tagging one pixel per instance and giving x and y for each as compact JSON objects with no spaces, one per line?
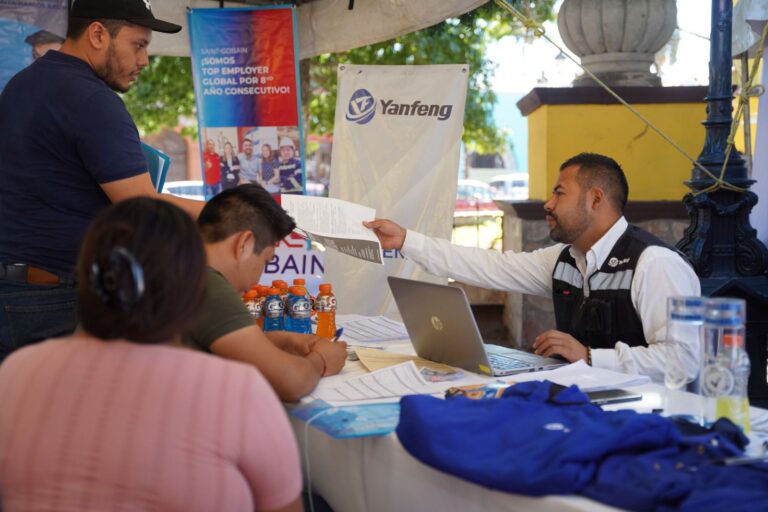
{"x":190,"y":189}
{"x":512,"y":186}
{"x":473,"y":197}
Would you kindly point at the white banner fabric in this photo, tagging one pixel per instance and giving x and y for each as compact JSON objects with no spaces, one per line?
{"x":396,"y":143}
{"x":759,"y":215}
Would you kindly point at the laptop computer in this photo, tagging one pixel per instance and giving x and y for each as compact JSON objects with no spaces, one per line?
{"x":442,"y":328}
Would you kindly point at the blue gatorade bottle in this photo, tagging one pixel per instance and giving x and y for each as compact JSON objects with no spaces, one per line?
{"x":273,"y":311}
{"x":299,"y":310}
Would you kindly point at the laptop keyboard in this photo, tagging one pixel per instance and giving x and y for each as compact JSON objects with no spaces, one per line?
{"x":500,"y":362}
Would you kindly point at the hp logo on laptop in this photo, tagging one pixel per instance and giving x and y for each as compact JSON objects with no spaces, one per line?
{"x":362,"y":107}
{"x":437,"y":324}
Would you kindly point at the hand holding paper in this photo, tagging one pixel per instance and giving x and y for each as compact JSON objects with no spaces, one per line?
{"x":335,"y":224}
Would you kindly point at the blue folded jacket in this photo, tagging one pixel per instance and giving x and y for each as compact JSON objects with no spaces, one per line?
{"x":530,"y":442}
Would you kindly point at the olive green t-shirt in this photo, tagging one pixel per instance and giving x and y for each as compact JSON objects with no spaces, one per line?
{"x":222,"y":312}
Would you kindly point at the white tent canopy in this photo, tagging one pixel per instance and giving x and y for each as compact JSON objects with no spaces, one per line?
{"x":326,"y":25}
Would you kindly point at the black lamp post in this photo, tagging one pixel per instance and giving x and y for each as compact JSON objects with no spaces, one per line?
{"x":720,"y":242}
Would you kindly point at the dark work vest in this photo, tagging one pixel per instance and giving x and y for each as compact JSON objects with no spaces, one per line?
{"x":607,"y":315}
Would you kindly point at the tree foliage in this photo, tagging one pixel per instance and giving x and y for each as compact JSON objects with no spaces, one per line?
{"x":165,"y":91}
{"x":455,"y":41}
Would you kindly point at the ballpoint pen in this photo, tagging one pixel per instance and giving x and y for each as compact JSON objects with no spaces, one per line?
{"x":338,"y":334}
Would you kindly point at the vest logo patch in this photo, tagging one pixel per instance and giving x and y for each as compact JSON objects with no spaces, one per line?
{"x":615,"y":262}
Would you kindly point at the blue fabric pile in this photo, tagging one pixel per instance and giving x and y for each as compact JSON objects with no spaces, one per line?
{"x":533,"y":441}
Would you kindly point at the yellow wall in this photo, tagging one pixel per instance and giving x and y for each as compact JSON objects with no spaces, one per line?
{"x":738,"y":138}
{"x":654,"y":169}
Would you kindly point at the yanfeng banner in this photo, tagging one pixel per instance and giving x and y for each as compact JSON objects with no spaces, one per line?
{"x":28,"y":29}
{"x":397,"y":137}
{"x":248,"y":100}
{"x":245,"y":68}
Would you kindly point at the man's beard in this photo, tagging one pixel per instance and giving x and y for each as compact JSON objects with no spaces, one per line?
{"x":567,"y":235}
{"x":107,"y":73}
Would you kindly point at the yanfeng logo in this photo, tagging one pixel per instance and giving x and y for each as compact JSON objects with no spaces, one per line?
{"x":362,"y":107}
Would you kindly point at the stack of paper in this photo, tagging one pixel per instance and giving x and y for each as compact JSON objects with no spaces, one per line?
{"x":370,"y":331}
{"x":586,"y":377}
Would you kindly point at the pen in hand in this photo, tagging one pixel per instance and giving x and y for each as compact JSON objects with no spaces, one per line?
{"x":338,"y":334}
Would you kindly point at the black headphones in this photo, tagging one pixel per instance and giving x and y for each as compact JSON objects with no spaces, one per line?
{"x":121,"y":284}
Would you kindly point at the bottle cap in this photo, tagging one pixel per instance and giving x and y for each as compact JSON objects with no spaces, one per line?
{"x":299,"y":281}
{"x":685,"y":309}
{"x":725,"y":312}
{"x":250,"y":295}
{"x":325,"y":287}
{"x":262,"y":289}
{"x":733,"y":340}
{"x":273,"y":291}
{"x":297,"y":290}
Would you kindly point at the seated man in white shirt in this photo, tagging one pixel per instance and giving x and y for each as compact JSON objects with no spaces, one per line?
{"x":609,"y":281}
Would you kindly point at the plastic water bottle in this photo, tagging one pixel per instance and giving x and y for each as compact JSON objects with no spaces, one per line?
{"x":726,"y":374}
{"x":325,"y":306}
{"x":249,"y":299}
{"x":283,"y":287}
{"x":298,"y":313}
{"x":261,"y":299}
{"x":273,"y":311}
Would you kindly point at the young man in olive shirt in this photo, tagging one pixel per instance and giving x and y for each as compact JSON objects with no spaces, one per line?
{"x":240,"y":228}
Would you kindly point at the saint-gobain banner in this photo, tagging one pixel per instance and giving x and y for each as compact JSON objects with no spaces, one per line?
{"x":28,"y":29}
{"x":248,"y":99}
{"x":397,"y":136}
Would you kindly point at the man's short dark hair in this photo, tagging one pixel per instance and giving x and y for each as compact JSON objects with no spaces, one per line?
{"x":245,"y":208}
{"x":78,"y":26}
{"x":147,"y":241}
{"x":596,"y":169}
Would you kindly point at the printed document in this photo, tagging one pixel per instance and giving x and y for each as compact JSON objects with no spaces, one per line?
{"x":335,"y":224}
{"x":392,"y":382}
{"x":368,"y":331}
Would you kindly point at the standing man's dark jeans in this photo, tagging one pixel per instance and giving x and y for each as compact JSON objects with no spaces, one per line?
{"x":30,"y":313}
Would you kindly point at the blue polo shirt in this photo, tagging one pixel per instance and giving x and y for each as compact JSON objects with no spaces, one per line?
{"x":63,"y":133}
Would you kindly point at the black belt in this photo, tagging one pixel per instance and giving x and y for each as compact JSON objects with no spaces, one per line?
{"x":23,"y":273}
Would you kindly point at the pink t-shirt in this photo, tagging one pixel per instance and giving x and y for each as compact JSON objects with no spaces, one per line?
{"x":93,"y":425}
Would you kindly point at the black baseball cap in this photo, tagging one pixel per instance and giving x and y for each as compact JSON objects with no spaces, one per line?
{"x":138,"y":12}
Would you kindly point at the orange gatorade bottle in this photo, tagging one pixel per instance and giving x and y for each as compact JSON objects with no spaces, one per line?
{"x":325,"y":305}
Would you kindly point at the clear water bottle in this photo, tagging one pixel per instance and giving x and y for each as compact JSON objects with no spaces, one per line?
{"x":273,"y":311}
{"x":682,"y":366}
{"x":726,"y":366}
{"x":297,"y":318}
{"x":325,"y":306}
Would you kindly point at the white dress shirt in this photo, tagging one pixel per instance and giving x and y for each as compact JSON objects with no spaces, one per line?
{"x":660,"y":273}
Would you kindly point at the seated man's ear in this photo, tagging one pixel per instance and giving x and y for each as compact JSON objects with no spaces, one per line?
{"x":243,"y":244}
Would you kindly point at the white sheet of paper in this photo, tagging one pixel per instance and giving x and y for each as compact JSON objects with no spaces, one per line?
{"x":369,"y":330}
{"x":395,"y":381}
{"x":335,"y":223}
{"x":586,"y":377}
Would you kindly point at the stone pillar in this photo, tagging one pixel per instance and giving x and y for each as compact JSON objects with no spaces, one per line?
{"x":617,"y":39}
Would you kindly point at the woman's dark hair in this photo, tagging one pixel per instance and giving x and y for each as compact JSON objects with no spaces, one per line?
{"x":141,"y":272}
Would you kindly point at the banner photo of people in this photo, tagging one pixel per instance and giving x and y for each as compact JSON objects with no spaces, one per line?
{"x":28,"y":29}
{"x":246,"y":76}
{"x":245,"y":70}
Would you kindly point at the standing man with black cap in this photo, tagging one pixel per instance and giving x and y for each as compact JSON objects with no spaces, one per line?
{"x":68,"y":148}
